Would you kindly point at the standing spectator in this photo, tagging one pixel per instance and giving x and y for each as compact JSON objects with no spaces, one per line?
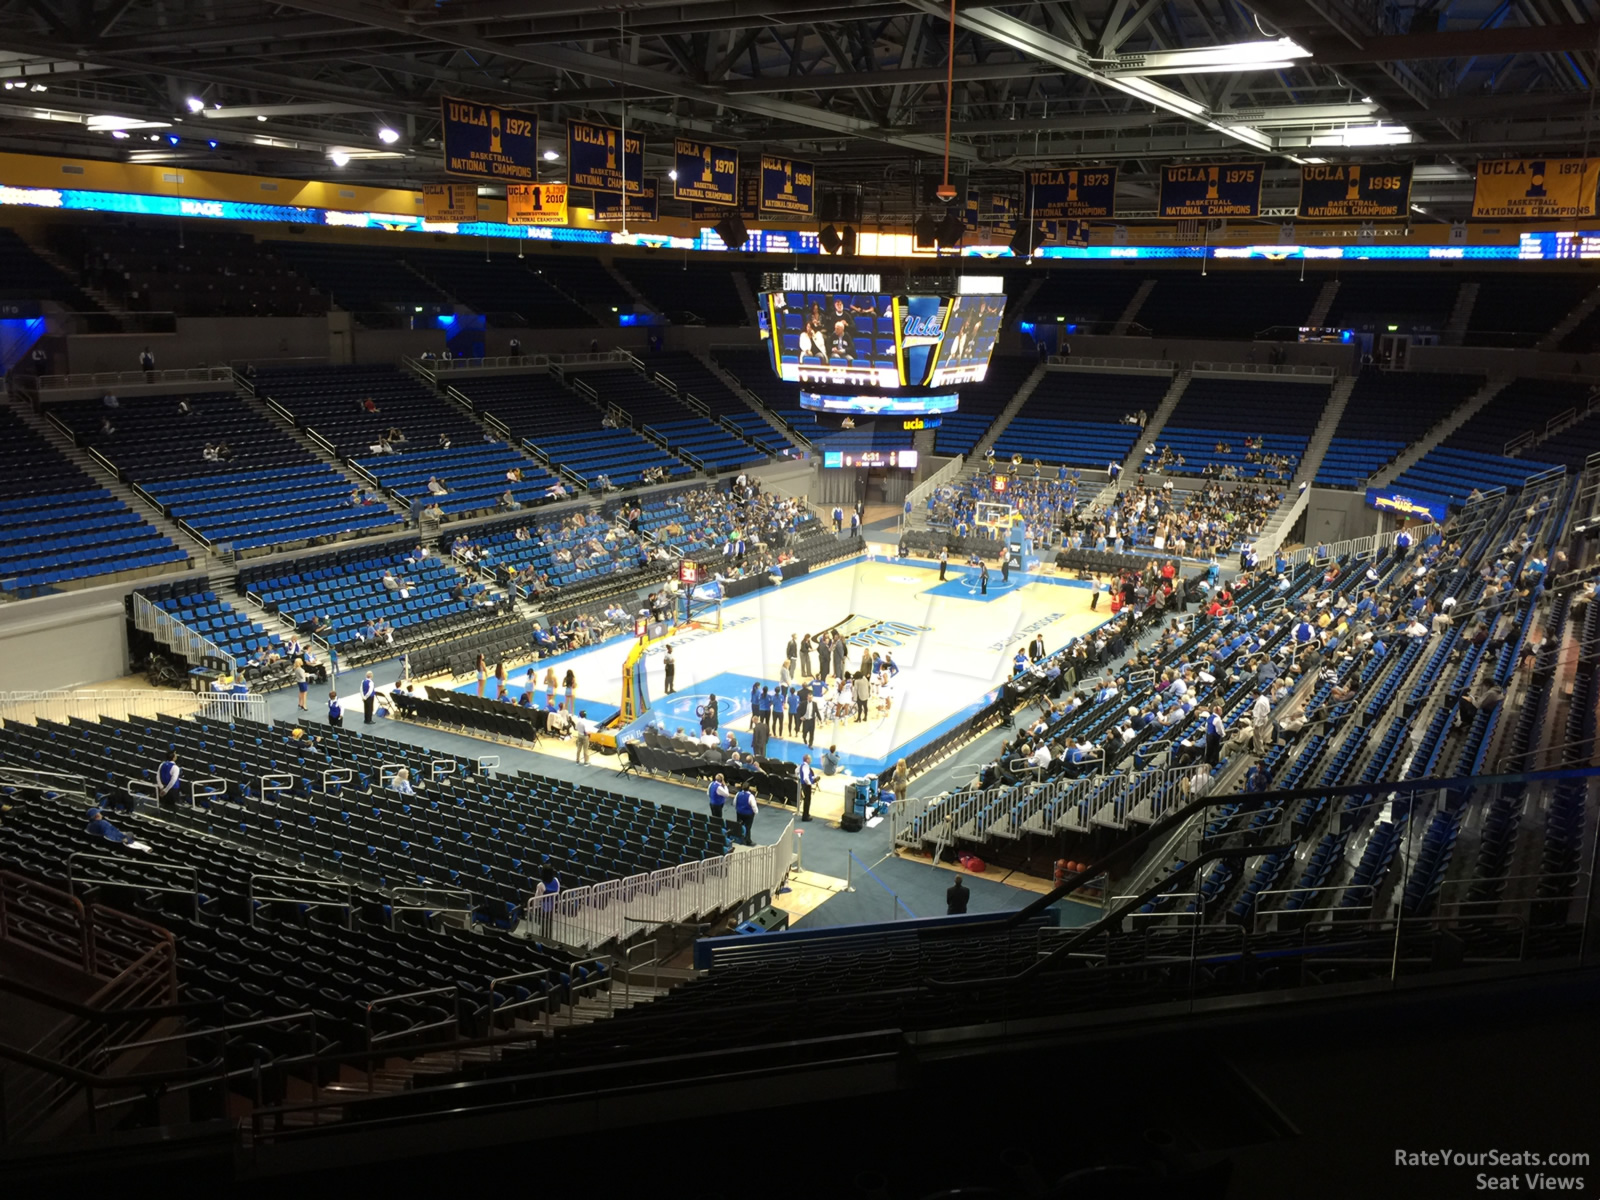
{"x":744,"y":807}
{"x":583,"y":728}
{"x":717,"y":797}
{"x":169,"y":776}
{"x":570,"y":686}
{"x":335,"y":710}
{"x":669,"y":667}
{"x":1261,"y":721}
{"x":544,"y":896}
{"x":369,"y":696}
{"x":147,"y":361}
{"x":956,"y":897}
{"x":808,"y":778}
{"x":300,"y":682}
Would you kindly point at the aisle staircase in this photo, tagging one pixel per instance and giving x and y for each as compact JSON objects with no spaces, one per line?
{"x":1002,"y":419}
{"x":747,"y":298}
{"x":1132,"y":310}
{"x":1324,"y":304}
{"x":1553,"y":339}
{"x":1150,"y":433}
{"x":793,"y":436}
{"x":1455,"y":327}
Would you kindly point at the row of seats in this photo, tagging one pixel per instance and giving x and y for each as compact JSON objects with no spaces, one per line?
{"x":1077,"y":418}
{"x":57,"y":526}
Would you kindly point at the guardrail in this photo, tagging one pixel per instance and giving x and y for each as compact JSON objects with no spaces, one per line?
{"x":116,"y":379}
{"x":598,"y":913}
{"x":1287,"y":370}
{"x":1162,"y":366}
{"x":61,"y":705}
{"x":173,"y":633}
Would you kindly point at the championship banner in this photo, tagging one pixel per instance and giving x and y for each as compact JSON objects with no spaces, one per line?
{"x":1004,"y":212}
{"x":596,"y":158}
{"x":642,"y":209}
{"x":1074,"y":233}
{"x":450,"y":201}
{"x":1211,"y":190}
{"x":1355,"y":191}
{"x":1073,"y":193}
{"x":706,"y":174}
{"x":787,"y":186}
{"x":970,"y":211}
{"x":536,"y":204}
{"x":485,"y":142}
{"x":1532,"y":189}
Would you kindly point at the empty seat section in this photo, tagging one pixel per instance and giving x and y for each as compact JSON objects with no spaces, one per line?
{"x":58,"y":526}
{"x":981,"y":403}
{"x":1077,"y":418}
{"x":685,"y":431}
{"x":1223,"y":304}
{"x":688,"y":292}
{"x":1386,"y":412}
{"x":225,"y":470}
{"x":509,"y":291}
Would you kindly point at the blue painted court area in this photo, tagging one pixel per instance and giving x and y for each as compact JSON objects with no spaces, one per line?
{"x":962,"y":584}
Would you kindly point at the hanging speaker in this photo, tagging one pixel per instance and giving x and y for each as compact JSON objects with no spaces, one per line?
{"x":732,"y":231}
{"x":924,"y":231}
{"x":950,"y":229}
{"x":1022,"y":241}
{"x":828,"y":208}
{"x":847,"y":240}
{"x":828,"y":236}
{"x":850,"y":208}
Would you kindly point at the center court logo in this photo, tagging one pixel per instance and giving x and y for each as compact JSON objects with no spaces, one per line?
{"x":885,"y":633}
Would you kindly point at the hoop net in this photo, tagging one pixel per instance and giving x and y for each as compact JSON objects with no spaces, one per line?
{"x":994,"y":516}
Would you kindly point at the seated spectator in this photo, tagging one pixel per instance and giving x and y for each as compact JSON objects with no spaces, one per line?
{"x":435,"y":488}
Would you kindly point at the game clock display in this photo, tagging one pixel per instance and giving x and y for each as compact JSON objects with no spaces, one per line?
{"x":869,"y":458}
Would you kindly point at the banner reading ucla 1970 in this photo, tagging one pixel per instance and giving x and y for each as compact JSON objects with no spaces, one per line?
{"x":1535,"y":188}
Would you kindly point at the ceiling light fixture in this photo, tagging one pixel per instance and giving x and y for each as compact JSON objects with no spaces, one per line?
{"x":261,"y":116}
{"x":551,"y":155}
{"x":339,"y":158}
{"x":673,"y":175}
{"x":388,"y":136}
{"x":120,"y":134}
{"x":1241,"y":56}
{"x":195,"y":104}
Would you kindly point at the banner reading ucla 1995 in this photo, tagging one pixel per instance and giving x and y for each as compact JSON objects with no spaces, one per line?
{"x":1211,"y":190}
{"x":1368,"y":191}
{"x":1535,"y":188}
{"x":482,"y":141}
{"x":787,"y":186}
{"x":1073,"y":193}
{"x":598,"y":155}
{"x":706,"y":174}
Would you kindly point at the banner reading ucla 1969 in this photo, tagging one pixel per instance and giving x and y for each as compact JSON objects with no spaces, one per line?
{"x":1073,"y":193}
{"x":598,"y":155}
{"x":787,"y":186}
{"x":482,"y":141}
{"x":1211,"y":190}
{"x":706,"y":174}
{"x":1535,"y":188}
{"x":1365,"y":191}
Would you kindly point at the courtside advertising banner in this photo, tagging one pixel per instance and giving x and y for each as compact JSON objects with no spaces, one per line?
{"x":1211,"y":190}
{"x":482,"y":141}
{"x":1532,"y":189}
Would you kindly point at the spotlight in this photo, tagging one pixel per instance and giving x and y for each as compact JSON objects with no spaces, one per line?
{"x":261,"y":116}
{"x":120,"y":134}
{"x":388,"y":136}
{"x":673,"y":174}
{"x":195,"y":104}
{"x":551,"y":155}
{"x":339,"y":158}
{"x":945,"y":192}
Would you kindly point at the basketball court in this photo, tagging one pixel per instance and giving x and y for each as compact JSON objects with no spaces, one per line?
{"x":953,"y":642}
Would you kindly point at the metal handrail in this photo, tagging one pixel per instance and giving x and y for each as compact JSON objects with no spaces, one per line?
{"x":194,"y":873}
{"x":574,"y":987}
{"x":422,"y":891}
{"x":215,"y":786}
{"x":273,"y":783}
{"x":340,"y":775}
{"x":542,"y":999}
{"x":255,"y":901}
{"x":79,"y":787}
